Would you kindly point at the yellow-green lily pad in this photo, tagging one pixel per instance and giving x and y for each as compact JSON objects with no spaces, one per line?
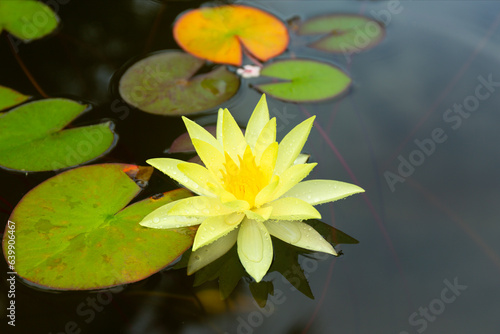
{"x":10,"y":98}
{"x":27,"y":19}
{"x":32,"y":138}
{"x":73,"y":231}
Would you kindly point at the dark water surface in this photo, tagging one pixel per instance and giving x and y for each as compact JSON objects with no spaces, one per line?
{"x":429,"y":257}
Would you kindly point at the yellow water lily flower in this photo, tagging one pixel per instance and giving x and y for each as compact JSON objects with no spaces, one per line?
{"x":250,"y":188}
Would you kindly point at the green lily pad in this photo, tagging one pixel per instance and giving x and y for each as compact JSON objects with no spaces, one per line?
{"x":72,"y":231}
{"x":27,"y":19}
{"x":344,"y":33}
{"x":306,"y":80}
{"x":32,"y":139}
{"x":166,"y":84}
{"x":10,"y":98}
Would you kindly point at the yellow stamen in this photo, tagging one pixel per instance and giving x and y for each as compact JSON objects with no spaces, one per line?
{"x":246,"y":180}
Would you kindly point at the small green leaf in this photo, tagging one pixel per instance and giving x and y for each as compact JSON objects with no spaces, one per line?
{"x":27,"y":19}
{"x":10,"y":98}
{"x":73,"y":231}
{"x":306,"y":80}
{"x":344,"y":33}
{"x":32,"y":139}
{"x":164,"y":84}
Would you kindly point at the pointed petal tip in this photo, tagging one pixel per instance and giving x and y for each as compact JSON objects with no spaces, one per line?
{"x":145,"y":223}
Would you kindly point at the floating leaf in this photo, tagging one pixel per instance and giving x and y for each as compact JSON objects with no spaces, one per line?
{"x":31,"y":138}
{"x":218,"y":33}
{"x":10,"y":98}
{"x":306,"y":80}
{"x":73,"y":232}
{"x":345,"y":33}
{"x":163,"y":84}
{"x":183,"y":144}
{"x":27,"y":19}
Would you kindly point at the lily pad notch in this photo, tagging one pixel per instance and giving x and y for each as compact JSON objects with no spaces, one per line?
{"x":75,"y":232}
{"x":166,"y":84}
{"x":343,"y":33}
{"x":220,"y":33}
{"x":304,"y":80}
{"x":32,"y":138}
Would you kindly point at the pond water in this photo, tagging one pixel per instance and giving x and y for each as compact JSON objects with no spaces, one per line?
{"x":428,"y":260}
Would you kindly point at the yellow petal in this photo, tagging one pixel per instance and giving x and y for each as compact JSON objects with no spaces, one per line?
{"x":203,"y":178}
{"x":259,"y":214}
{"x":214,"y":228}
{"x":199,"y":206}
{"x":290,"y":208}
{"x":160,"y":219}
{"x":197,"y":132}
{"x":301,"y":159}
{"x":259,"y":118}
{"x":291,"y":177}
{"x":255,"y":248}
{"x":233,"y":141}
{"x":266,"y":194}
{"x":211,"y":156}
{"x":218,"y":131}
{"x":317,"y":192}
{"x":299,"y":234}
{"x":268,"y":159}
{"x":266,"y":138}
{"x":206,"y":255}
{"x":292,"y":144}
{"x":170,"y":167}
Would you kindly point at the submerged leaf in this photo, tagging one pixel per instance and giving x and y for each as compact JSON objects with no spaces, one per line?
{"x":73,"y":231}
{"x":304,"y":80}
{"x":32,"y":139}
{"x":219,"y":33}
{"x":344,"y":33}
{"x":164,"y":84}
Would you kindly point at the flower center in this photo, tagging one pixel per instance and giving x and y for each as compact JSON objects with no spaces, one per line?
{"x":246,"y":180}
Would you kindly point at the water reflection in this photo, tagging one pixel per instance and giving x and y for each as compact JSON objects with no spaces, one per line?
{"x":442,"y":222}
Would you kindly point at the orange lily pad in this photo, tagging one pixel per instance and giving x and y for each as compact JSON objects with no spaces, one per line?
{"x":219,"y":33}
